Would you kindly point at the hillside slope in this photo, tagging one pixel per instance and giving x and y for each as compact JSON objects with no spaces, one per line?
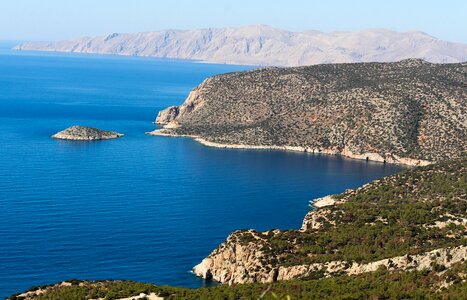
{"x":407,"y":112}
{"x":265,"y":45}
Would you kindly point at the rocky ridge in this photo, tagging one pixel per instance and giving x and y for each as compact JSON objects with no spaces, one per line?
{"x":265,"y":45}
{"x":409,"y":221}
{"x":82,"y":133}
{"x":410,"y":112}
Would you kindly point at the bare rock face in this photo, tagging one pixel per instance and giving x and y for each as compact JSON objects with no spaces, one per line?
{"x":82,"y":133}
{"x":315,"y":219}
{"x":169,"y":114}
{"x":237,"y":260}
{"x":445,"y":256}
{"x":195,"y":100}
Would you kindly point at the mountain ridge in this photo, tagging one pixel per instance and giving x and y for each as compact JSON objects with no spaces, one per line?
{"x":266,"y":46}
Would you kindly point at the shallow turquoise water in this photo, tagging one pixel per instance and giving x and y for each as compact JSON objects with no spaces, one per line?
{"x":139,"y":207}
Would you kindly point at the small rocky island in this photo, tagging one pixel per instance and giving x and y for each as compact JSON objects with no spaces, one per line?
{"x":82,"y":133}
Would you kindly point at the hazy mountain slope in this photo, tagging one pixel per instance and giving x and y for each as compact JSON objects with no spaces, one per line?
{"x":379,"y":111}
{"x":265,"y":45}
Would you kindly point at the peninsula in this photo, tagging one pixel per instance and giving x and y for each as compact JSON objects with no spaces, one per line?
{"x":82,"y":133}
{"x":409,"y":112}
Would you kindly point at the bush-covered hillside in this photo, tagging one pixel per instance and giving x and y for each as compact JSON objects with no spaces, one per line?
{"x":410,"y":109}
{"x":411,"y":212}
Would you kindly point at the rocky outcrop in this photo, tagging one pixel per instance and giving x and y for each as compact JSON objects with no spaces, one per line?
{"x":232,"y":267}
{"x":410,"y":112}
{"x":316,"y":218}
{"x":167,"y":115}
{"x":81,"y":133}
{"x":264,"y":45}
{"x":235,"y":262}
{"x":444,"y":257}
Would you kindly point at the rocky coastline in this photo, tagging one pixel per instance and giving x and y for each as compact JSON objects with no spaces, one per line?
{"x":249,"y":256}
{"x":375,"y":157}
{"x":384,"y":112}
{"x":224,"y":267}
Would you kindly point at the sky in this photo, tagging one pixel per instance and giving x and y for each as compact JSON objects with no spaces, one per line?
{"x":50,"y":20}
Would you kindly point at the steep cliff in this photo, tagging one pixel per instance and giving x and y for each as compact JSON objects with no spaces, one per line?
{"x":414,"y":220}
{"x":408,"y":112}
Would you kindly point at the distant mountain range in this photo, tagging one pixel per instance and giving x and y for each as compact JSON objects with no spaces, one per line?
{"x":268,"y":46}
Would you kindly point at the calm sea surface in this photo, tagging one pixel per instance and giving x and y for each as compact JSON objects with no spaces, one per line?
{"x":139,"y":207}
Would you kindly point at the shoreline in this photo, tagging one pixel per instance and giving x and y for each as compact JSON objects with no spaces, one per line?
{"x":192,"y":60}
{"x":374,"y":157}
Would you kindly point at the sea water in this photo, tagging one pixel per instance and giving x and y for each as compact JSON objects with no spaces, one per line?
{"x":140,"y":207}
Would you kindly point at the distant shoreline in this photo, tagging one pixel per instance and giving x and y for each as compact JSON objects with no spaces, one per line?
{"x":98,"y":54}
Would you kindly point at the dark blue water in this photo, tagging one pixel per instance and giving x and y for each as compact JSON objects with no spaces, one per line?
{"x":139,"y":207}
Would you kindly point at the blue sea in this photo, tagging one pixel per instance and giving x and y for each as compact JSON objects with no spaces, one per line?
{"x":140,"y":207}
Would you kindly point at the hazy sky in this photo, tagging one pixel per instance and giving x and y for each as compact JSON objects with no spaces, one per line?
{"x":61,"y":19}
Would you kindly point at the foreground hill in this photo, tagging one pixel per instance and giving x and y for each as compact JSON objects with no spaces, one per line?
{"x":401,"y":237}
{"x":412,"y":220}
{"x":382,"y":284}
{"x":265,"y":45}
{"x":407,"y":112}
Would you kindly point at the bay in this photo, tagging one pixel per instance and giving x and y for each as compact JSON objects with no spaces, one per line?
{"x":139,"y":207}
